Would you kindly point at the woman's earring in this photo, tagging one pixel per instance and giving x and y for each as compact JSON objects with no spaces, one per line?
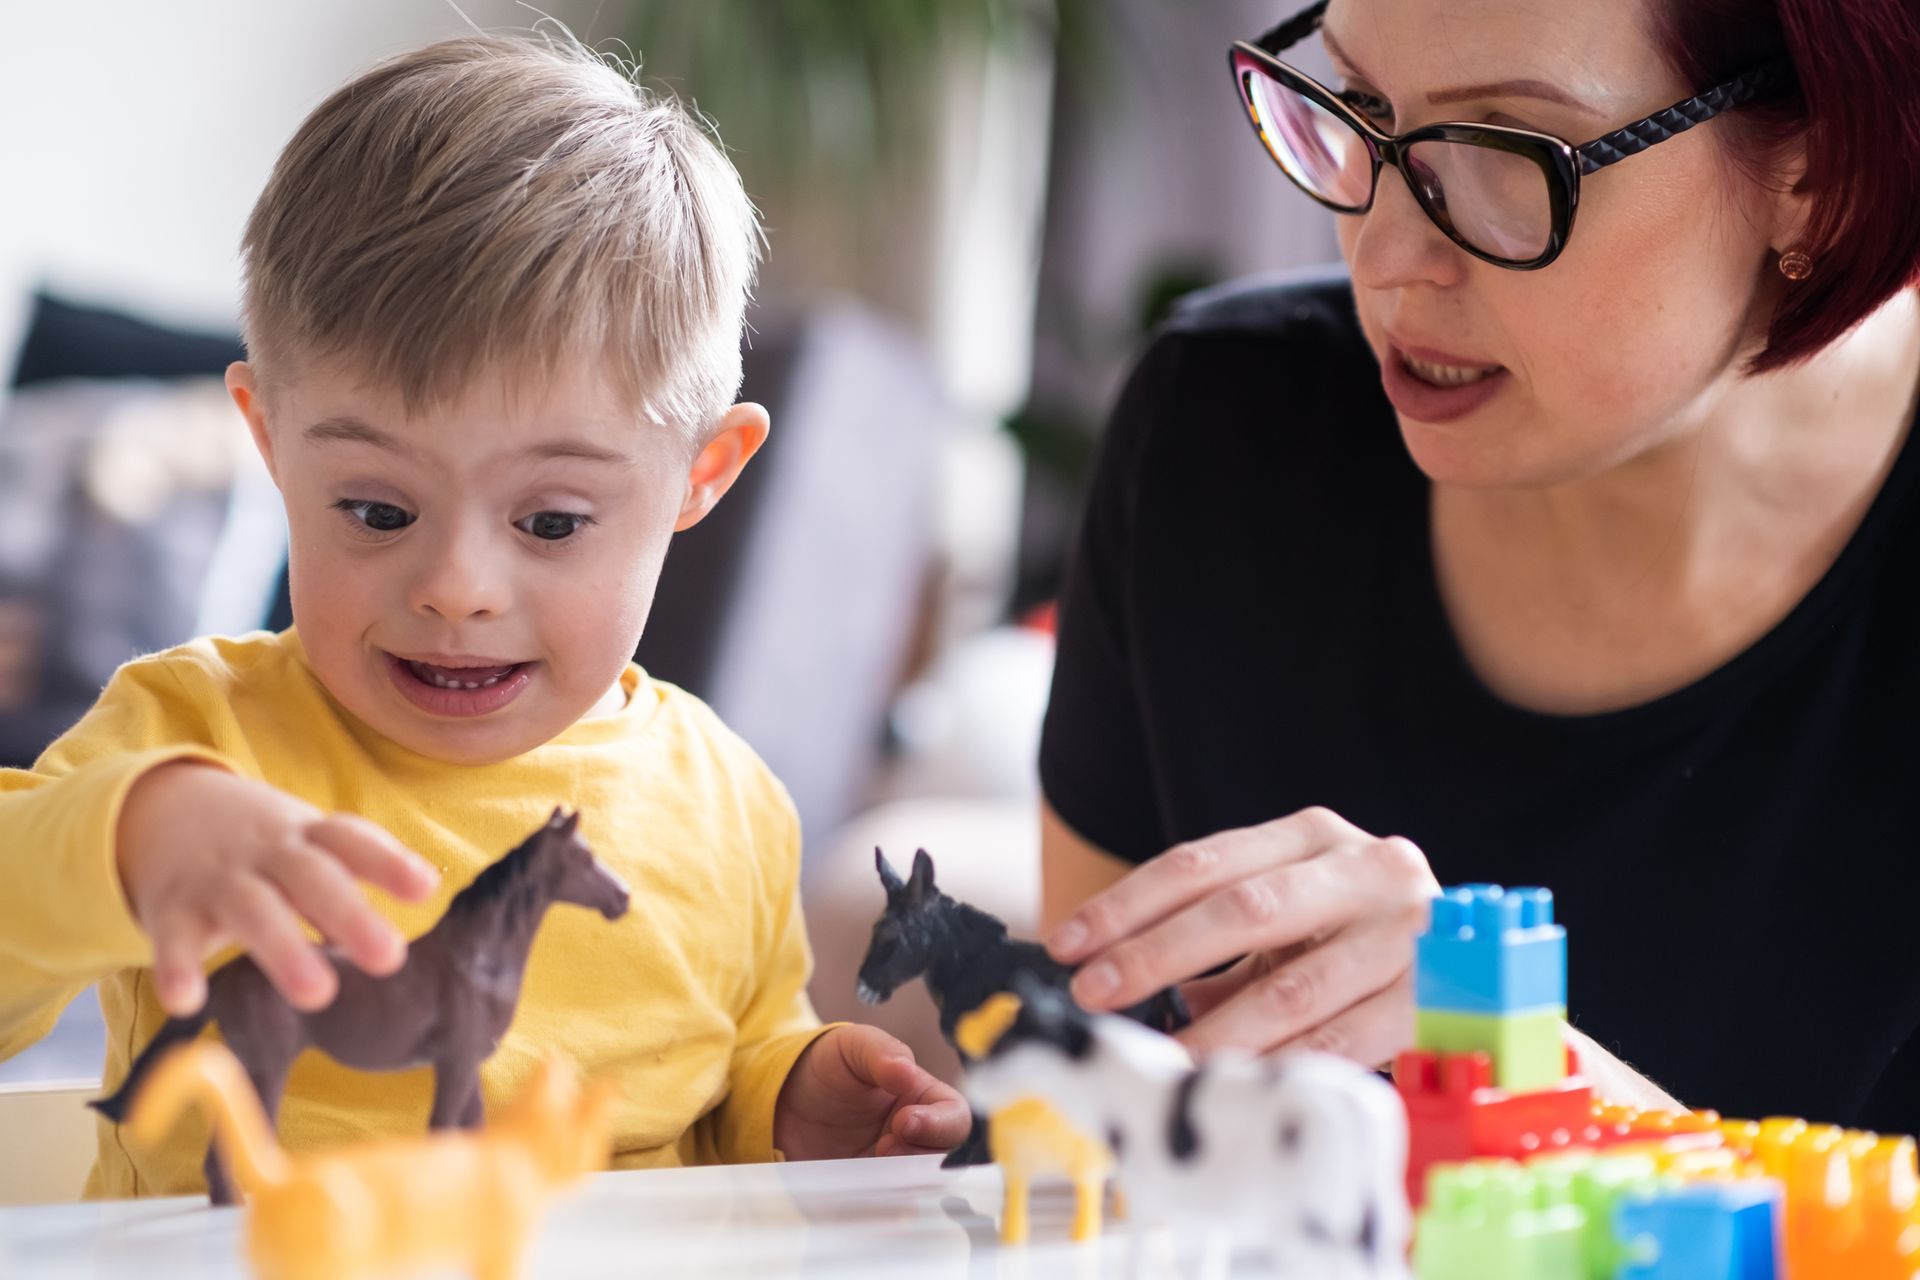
{"x":1795,"y":265}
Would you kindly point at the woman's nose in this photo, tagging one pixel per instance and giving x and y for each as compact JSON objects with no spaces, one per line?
{"x":1394,"y":244}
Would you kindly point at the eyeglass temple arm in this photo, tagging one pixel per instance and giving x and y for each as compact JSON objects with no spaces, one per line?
{"x":1681,"y":116}
{"x":1293,"y":30}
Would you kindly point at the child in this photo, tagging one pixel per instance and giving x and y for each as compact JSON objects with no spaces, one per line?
{"x":494,"y":300}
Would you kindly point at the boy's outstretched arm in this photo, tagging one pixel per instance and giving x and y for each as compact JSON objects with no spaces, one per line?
{"x":134,"y":785}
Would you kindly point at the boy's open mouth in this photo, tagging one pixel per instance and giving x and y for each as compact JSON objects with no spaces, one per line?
{"x":461,"y":688}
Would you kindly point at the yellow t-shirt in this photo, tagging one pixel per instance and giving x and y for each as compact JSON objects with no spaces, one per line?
{"x":695,"y":1001}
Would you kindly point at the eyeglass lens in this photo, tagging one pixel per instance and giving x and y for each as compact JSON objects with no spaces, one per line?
{"x":1497,"y":201}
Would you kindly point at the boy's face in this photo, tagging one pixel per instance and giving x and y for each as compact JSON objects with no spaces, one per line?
{"x":472,"y":579}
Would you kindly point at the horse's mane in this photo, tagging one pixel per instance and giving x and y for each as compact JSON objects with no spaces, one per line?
{"x":507,"y":871}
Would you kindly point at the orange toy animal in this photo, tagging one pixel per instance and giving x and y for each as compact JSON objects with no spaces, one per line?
{"x":467,"y":1200}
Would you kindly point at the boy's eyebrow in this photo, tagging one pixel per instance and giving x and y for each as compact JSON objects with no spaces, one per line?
{"x":1473,"y":92}
{"x":349,"y":429}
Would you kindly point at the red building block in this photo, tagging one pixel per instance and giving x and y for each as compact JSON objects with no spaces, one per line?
{"x":1454,"y":1112}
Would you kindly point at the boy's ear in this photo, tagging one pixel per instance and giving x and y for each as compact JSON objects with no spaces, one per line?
{"x":245,"y":390}
{"x":739,"y":436}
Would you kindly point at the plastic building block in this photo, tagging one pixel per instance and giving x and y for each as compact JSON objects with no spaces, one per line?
{"x":1599,"y":1183}
{"x":1851,"y":1210}
{"x":1455,"y":1113}
{"x":1702,"y":1231}
{"x":1527,"y":1049}
{"x":1491,"y":950}
{"x":1499,"y":1221}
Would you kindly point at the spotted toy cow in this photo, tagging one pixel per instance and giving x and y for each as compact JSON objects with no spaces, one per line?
{"x":1302,"y":1154}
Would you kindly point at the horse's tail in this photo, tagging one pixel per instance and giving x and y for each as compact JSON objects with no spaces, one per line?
{"x":172,"y":1032}
{"x":207,"y":1073}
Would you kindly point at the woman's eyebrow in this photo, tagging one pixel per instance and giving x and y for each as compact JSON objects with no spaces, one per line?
{"x":1522,"y":88}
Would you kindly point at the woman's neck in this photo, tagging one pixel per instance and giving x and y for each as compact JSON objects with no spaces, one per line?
{"x":1615,"y":589}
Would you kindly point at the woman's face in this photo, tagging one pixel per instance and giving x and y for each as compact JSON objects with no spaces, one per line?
{"x":1621,"y":345}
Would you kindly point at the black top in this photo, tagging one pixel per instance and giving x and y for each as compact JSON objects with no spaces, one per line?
{"x":1252,"y":626}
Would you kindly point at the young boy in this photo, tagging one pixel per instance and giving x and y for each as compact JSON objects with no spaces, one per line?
{"x":494,"y":301}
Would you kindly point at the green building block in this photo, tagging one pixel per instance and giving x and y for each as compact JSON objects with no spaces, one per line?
{"x":1598,"y":1182}
{"x":1526,"y":1048}
{"x":1496,"y":1220}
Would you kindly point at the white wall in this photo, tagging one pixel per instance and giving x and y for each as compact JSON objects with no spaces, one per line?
{"x":135,"y":134}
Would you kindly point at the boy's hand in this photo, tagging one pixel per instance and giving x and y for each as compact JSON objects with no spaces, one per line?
{"x":856,"y":1091}
{"x":208,"y":858}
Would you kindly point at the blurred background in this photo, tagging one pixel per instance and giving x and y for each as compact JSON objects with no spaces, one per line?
{"x":976,"y":210}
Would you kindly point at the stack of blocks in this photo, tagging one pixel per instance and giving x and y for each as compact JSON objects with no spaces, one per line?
{"x":1491,"y":977}
{"x":1505,"y":1142}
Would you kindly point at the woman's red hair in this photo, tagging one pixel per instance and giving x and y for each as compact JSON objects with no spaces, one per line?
{"x":1856,"y":112}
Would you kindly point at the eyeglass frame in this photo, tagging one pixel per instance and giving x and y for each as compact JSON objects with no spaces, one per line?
{"x":1563,"y":163}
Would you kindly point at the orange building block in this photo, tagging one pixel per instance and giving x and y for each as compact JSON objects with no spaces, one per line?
{"x":1852,"y":1198}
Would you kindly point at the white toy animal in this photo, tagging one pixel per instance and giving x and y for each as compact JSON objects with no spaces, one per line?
{"x":1304,"y":1154}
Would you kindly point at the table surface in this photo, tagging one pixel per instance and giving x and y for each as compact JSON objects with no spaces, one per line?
{"x":894,"y":1217}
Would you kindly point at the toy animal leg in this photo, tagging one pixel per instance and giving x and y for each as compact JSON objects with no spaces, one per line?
{"x":1014,"y":1228}
{"x":1117,"y":1205}
{"x":456,"y":1097}
{"x":219,"y":1186}
{"x":1088,"y":1188}
{"x":266,"y":1055}
{"x":974,"y":1150}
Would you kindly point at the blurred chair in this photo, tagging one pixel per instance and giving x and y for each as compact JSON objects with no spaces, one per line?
{"x":50,"y":1138}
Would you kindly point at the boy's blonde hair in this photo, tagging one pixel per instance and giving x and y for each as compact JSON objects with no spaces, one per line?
{"x":505,"y":202}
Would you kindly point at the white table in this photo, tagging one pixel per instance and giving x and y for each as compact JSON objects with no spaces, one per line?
{"x":902,"y":1217}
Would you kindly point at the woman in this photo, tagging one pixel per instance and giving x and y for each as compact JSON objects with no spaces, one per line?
{"x":1534,"y":548}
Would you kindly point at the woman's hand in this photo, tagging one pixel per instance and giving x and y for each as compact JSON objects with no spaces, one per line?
{"x":1320,"y":916}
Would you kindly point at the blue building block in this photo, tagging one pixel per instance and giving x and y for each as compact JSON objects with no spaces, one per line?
{"x":1702,"y":1231}
{"x":1491,"y":950}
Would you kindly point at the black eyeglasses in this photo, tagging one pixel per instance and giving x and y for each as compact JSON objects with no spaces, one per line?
{"x":1505,"y":195}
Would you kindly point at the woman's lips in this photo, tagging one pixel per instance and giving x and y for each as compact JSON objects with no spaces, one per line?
{"x":457,"y":687}
{"x":1452,"y":387}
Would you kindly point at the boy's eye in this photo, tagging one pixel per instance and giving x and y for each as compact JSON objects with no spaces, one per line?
{"x":381,"y":517}
{"x":1372,"y":106}
{"x":552,"y":526}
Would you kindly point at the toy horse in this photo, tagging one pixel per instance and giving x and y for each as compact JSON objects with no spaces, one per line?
{"x":1304,"y":1152}
{"x":965,"y":956}
{"x":470,"y":1201}
{"x":446,"y":1007}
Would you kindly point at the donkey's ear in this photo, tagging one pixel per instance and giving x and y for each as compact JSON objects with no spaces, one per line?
{"x":568,"y":824}
{"x":559,"y":812}
{"x":889,"y":878}
{"x":920,"y":882}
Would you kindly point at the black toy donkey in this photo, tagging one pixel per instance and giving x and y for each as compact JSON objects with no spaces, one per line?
{"x":966,"y":956}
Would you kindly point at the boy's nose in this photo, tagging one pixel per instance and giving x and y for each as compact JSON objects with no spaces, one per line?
{"x":459,"y":581}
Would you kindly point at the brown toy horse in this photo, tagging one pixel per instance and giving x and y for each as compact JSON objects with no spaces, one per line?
{"x":446,"y":1007}
{"x":468,"y":1200}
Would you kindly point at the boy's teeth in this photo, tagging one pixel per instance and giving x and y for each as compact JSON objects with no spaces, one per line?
{"x":440,"y":678}
{"x":1447,"y":375}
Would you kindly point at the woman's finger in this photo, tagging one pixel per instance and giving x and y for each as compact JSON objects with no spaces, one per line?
{"x":1371,"y":1032}
{"x":1312,"y":990}
{"x":370,"y":852}
{"x":1188,"y":872}
{"x":262,"y":922}
{"x":1204,"y":995}
{"x":1283,"y":907}
{"x":319,"y":887}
